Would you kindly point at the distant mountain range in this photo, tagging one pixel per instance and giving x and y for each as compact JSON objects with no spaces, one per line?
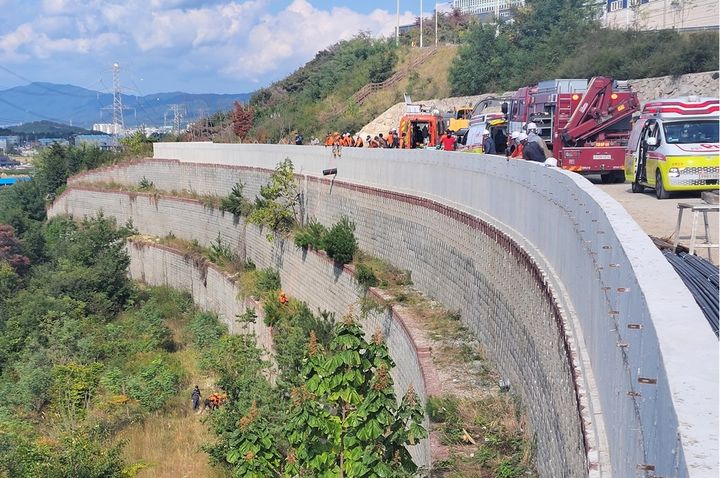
{"x":82,"y":107}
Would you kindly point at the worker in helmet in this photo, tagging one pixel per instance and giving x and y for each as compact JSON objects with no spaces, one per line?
{"x":488,"y":143}
{"x":513,"y":145}
{"x":532,"y":132}
{"x":531,"y":149}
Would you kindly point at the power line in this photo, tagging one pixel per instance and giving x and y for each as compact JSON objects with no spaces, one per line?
{"x":39,"y":85}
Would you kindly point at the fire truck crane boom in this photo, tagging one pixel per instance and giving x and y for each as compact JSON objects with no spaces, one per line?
{"x":594,"y":113}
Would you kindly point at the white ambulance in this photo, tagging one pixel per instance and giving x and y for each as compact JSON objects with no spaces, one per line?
{"x":674,"y":146}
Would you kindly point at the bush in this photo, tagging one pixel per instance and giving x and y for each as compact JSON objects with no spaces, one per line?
{"x":268,"y":280}
{"x":155,"y":383}
{"x":219,"y":252}
{"x":205,"y":329}
{"x":340,"y":242}
{"x":312,"y":235}
{"x":235,"y":203}
{"x":365,"y":276}
{"x":146,"y":185}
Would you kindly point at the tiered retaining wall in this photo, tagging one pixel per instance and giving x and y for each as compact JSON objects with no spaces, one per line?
{"x":561,"y":286}
{"x":310,"y":276}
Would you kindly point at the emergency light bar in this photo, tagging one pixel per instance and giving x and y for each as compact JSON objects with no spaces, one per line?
{"x":682,"y":108}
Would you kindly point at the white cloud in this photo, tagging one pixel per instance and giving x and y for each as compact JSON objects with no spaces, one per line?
{"x":295,"y":34}
{"x":239,"y":40}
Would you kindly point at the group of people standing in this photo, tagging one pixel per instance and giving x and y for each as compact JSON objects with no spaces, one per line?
{"x":528,"y":145}
{"x":337,"y":141}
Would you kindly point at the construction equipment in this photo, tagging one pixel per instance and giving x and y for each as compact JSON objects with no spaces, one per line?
{"x":585,"y":124}
{"x":460,"y":119}
{"x":420,"y":127}
{"x":674,"y":146}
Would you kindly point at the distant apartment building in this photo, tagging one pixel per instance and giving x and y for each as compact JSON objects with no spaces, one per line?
{"x":487,"y":8}
{"x":8,"y":142}
{"x":662,"y":14}
{"x":107,"y":128}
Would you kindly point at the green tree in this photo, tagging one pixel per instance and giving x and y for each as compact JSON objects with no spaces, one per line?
{"x":340,"y":243}
{"x":275,"y":208}
{"x":137,"y":145}
{"x":52,"y":168}
{"x":344,"y":420}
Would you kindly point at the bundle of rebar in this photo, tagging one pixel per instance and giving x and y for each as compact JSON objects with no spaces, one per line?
{"x":702,"y":278}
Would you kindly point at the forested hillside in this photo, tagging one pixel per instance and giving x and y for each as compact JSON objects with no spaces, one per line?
{"x":564,"y":39}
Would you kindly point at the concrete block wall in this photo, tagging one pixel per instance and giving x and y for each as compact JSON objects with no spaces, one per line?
{"x":644,"y":359}
{"x":211,"y":289}
{"x":309,"y":276}
{"x":517,"y":323}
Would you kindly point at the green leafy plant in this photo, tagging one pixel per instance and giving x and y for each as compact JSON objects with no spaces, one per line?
{"x":268,"y":280}
{"x":146,"y":185}
{"x":344,"y":419}
{"x":311,"y":236}
{"x":340,"y":242}
{"x":220,"y":252}
{"x":365,"y":276}
{"x":275,"y":208}
{"x":236,"y":203}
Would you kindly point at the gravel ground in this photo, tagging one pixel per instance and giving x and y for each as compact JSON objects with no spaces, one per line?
{"x":659,"y":217}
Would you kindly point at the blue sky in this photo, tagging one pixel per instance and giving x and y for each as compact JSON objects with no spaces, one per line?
{"x":211,"y":46}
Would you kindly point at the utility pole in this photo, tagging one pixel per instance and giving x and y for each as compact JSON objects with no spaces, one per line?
{"x":436,"y":24}
{"x":421,"y":25}
{"x":397,"y":28}
{"x":117,"y":107}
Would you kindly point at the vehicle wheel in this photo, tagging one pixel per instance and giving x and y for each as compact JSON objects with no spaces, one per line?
{"x":607,"y":178}
{"x":660,"y":191}
{"x":619,"y":177}
{"x":637,"y":187}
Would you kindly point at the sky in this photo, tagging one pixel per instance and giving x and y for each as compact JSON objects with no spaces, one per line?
{"x":211,"y":46}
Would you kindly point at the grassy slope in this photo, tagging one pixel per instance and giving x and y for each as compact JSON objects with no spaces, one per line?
{"x":168,"y":443}
{"x":431,"y":82}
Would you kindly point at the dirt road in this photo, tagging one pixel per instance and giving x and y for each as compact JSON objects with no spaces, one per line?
{"x":658,"y":217}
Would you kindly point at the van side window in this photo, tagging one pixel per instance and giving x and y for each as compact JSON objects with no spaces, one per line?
{"x":652,"y":131}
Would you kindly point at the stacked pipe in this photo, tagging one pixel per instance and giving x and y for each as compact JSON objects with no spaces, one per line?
{"x":702,"y":278}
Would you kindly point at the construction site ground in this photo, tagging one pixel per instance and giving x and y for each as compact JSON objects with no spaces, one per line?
{"x":659,"y":217}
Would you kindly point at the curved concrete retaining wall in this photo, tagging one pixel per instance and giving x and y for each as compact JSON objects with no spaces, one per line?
{"x":307,"y":275}
{"x":647,"y":360}
{"x":483,"y":276}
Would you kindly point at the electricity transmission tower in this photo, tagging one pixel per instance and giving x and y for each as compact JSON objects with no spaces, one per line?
{"x":178,"y":113}
{"x":117,"y":108}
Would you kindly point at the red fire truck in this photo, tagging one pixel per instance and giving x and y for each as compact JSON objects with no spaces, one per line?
{"x":585,"y":124}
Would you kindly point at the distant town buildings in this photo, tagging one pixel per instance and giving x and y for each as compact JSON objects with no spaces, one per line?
{"x":8,"y":142}
{"x":662,"y":14}
{"x":6,"y":162}
{"x":487,"y":8}
{"x":100,"y":140}
{"x":45,"y":142}
{"x":108,"y":128}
